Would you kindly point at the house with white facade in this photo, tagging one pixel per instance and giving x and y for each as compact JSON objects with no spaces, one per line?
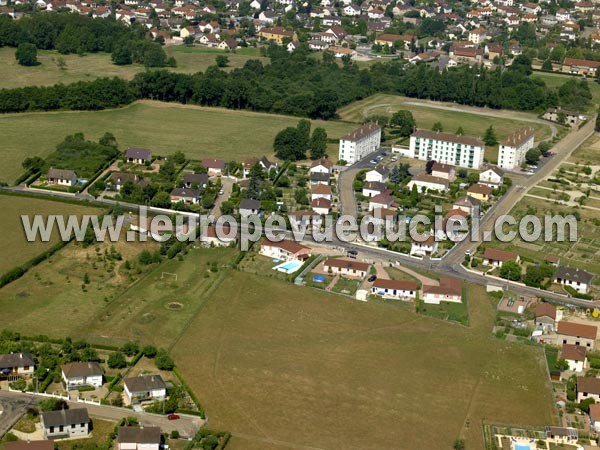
{"x":359,"y":143}
{"x":346,"y":267}
{"x":62,"y":177}
{"x":139,"y":438}
{"x":144,"y":388}
{"x":511,"y":153}
{"x":17,"y":364}
{"x":65,"y":423}
{"x":578,"y":279}
{"x":496,"y":258}
{"x":78,"y":374}
{"x":378,"y":174}
{"x":424,"y":247}
{"x":425,"y":182}
{"x":448,"y":290}
{"x":373,"y":188}
{"x":447,"y":148}
{"x":284,"y":250}
{"x":446,"y":171}
{"x":395,"y":289}
{"x":575,"y":356}
{"x":588,"y":387}
{"x":576,"y":334}
{"x":492,"y":177}
{"x":322,"y":165}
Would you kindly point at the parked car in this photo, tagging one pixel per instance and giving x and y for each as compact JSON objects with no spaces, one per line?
{"x":373,"y":161}
{"x":173,"y":416}
{"x":220,"y":191}
{"x":372,"y":278}
{"x":383,"y":153}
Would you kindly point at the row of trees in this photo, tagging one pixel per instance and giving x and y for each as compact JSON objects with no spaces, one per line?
{"x":299,"y":84}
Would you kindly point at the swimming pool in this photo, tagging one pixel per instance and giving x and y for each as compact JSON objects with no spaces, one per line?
{"x":520,"y":446}
{"x":288,"y":267}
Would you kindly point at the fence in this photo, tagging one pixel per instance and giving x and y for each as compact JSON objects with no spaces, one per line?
{"x":40,"y":394}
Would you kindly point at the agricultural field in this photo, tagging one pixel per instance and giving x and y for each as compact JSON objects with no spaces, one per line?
{"x":290,"y":369}
{"x":16,"y":250}
{"x":197,"y":131}
{"x":57,"y":68}
{"x":85,"y":281}
{"x":474,"y":121}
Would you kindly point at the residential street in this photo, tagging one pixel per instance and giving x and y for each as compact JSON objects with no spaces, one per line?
{"x":14,"y":404}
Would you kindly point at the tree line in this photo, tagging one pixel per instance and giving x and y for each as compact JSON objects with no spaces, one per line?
{"x":299,"y":84}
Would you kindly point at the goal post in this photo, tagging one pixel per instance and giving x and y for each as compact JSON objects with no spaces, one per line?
{"x":168,"y":274}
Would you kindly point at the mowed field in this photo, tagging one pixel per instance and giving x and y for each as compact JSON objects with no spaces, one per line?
{"x":162,"y":127}
{"x":282,"y":367}
{"x":95,"y":65}
{"x":555,"y":80}
{"x":14,"y":247}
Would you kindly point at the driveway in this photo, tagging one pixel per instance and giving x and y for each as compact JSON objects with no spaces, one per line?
{"x":227,"y":186}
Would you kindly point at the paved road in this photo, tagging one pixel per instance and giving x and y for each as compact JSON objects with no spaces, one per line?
{"x":16,"y":403}
{"x":11,"y":410}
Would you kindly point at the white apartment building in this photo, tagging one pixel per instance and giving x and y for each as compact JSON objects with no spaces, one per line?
{"x":447,"y":148}
{"x":512,"y":150}
{"x":359,"y":143}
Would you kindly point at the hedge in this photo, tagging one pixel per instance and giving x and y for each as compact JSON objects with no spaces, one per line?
{"x":576,"y":294}
{"x":190,"y":392}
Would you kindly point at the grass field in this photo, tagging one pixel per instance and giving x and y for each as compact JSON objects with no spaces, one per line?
{"x":555,"y":80}
{"x":294,"y":370}
{"x":472,"y":123}
{"x":199,"y":132}
{"x":16,"y":249}
{"x":94,"y":65}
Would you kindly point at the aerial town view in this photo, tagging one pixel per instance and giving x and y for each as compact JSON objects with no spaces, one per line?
{"x":299,"y":224}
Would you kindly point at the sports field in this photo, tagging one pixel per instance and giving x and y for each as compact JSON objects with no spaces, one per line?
{"x":16,"y":249}
{"x":94,"y":65}
{"x":198,"y":132}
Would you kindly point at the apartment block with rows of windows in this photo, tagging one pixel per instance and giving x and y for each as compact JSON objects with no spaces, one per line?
{"x":447,"y":148}
{"x":359,"y":143}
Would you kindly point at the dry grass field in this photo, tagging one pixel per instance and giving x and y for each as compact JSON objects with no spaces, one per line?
{"x":292,"y":370}
{"x":198,"y":132}
{"x":94,"y":65}
{"x":15,"y":249}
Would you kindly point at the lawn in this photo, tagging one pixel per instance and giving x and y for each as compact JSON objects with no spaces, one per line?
{"x":468,"y":118}
{"x":296,"y":369}
{"x":16,"y":250}
{"x":198,"y":132}
{"x":556,"y":80}
{"x":101,"y":430}
{"x":94,"y":65}
{"x":588,"y":152}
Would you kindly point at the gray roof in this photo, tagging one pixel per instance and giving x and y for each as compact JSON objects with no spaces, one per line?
{"x":11,"y":360}
{"x":61,"y":173}
{"x":185,"y":192}
{"x":249,"y":203}
{"x":144,"y":383}
{"x":138,"y":153}
{"x":572,"y":274}
{"x":122,"y":177}
{"x":139,"y":435}
{"x":81,"y":369}
{"x":196,"y":178}
{"x":320,"y":176}
{"x":65,"y":417}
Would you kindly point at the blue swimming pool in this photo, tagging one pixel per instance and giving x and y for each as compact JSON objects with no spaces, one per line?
{"x":522,"y":447}
{"x":288,"y":267}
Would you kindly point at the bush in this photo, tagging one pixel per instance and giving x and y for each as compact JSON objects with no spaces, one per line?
{"x":26,"y":54}
{"x":163,"y":361}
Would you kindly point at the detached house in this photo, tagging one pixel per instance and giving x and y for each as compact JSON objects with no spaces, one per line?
{"x":320,"y":191}
{"x":381,"y":201}
{"x":588,"y":387}
{"x":449,"y":290}
{"x":346,"y":267}
{"x":118,"y":179}
{"x":575,"y":356}
{"x":78,"y":374}
{"x":277,"y":34}
{"x":195,"y":180}
{"x":480,"y":192}
{"x":395,"y":289}
{"x":424,"y":247}
{"x":545,"y":317}
{"x":144,"y":388}
{"x":284,"y":250}
{"x":425,"y":182}
{"x":577,"y":279}
{"x":373,"y":188}
{"x":576,"y":334}
{"x":378,"y":174}
{"x":494,"y":257}
{"x":185,"y":195}
{"x":322,"y":165}
{"x":321,"y":206}
{"x":17,"y":364}
{"x":138,"y":155}
{"x":249,"y":207}
{"x":214,"y":167}
{"x":445,"y":171}
{"x":65,"y":423}
{"x":139,"y":438}
{"x":62,"y":177}
{"x":218,"y":235}
{"x":492,"y":177}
